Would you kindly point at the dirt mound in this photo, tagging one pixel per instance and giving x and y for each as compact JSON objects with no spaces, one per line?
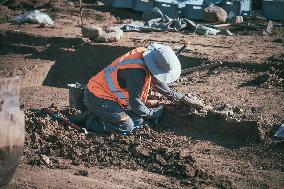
{"x":53,"y":144}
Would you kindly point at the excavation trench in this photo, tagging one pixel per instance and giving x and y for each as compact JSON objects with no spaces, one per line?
{"x":211,"y":126}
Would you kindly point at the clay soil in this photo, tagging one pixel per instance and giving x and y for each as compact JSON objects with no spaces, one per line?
{"x":187,"y":149}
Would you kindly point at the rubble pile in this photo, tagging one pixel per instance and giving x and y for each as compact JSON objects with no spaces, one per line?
{"x":55,"y":145}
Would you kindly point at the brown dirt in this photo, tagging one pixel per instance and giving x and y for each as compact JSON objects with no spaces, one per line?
{"x":187,"y":149}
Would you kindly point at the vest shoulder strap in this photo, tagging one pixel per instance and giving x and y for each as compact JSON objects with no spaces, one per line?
{"x":109,"y":69}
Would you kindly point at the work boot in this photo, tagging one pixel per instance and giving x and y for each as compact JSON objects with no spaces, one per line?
{"x":93,"y":124}
{"x":79,"y":119}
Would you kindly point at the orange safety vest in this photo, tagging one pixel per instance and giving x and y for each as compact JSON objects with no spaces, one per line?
{"x":105,"y":84}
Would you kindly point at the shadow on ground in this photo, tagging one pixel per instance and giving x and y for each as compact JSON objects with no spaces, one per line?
{"x":75,"y":60}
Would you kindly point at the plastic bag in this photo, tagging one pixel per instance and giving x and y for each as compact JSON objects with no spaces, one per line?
{"x":34,"y":16}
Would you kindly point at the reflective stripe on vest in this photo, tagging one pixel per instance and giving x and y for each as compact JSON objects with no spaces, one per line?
{"x":110,"y":69}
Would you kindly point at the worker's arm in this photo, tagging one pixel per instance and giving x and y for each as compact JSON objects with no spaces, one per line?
{"x":134,"y":80}
{"x":166,"y":91}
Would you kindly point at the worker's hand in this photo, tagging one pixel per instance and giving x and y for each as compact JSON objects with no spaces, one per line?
{"x":157,"y":112}
{"x":193,"y":101}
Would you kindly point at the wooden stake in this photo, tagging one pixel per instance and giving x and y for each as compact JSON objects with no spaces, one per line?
{"x":81,"y":13}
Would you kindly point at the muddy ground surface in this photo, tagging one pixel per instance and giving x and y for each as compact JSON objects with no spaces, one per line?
{"x":187,"y":149}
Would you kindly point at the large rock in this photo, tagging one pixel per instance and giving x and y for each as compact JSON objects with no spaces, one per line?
{"x":108,"y":37}
{"x":112,"y":34}
{"x":215,"y":14}
{"x":91,"y":32}
{"x":117,"y":30}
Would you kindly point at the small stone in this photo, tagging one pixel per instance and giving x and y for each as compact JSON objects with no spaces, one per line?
{"x":213,"y":72}
{"x":45,"y":159}
{"x":230,"y":113}
{"x":160,"y":160}
{"x":91,"y":32}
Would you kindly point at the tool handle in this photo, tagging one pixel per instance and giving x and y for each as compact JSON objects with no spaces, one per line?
{"x":60,"y":118}
{"x":201,"y":67}
{"x":181,"y":49}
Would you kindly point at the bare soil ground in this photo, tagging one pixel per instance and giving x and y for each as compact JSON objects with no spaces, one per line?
{"x":186,"y":150}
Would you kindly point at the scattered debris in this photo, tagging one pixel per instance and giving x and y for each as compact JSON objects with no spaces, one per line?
{"x":35,"y":16}
{"x":206,"y":30}
{"x":45,"y":159}
{"x":268,"y":28}
{"x":160,"y":24}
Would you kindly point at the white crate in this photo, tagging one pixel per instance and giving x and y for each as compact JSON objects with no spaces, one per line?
{"x":143,"y":5}
{"x":122,"y":3}
{"x":273,"y":9}
{"x":167,"y":7}
{"x":194,"y":9}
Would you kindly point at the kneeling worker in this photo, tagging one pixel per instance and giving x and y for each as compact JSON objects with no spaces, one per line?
{"x":116,"y":96}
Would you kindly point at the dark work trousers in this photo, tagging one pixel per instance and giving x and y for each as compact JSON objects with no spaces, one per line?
{"x":108,"y":115}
